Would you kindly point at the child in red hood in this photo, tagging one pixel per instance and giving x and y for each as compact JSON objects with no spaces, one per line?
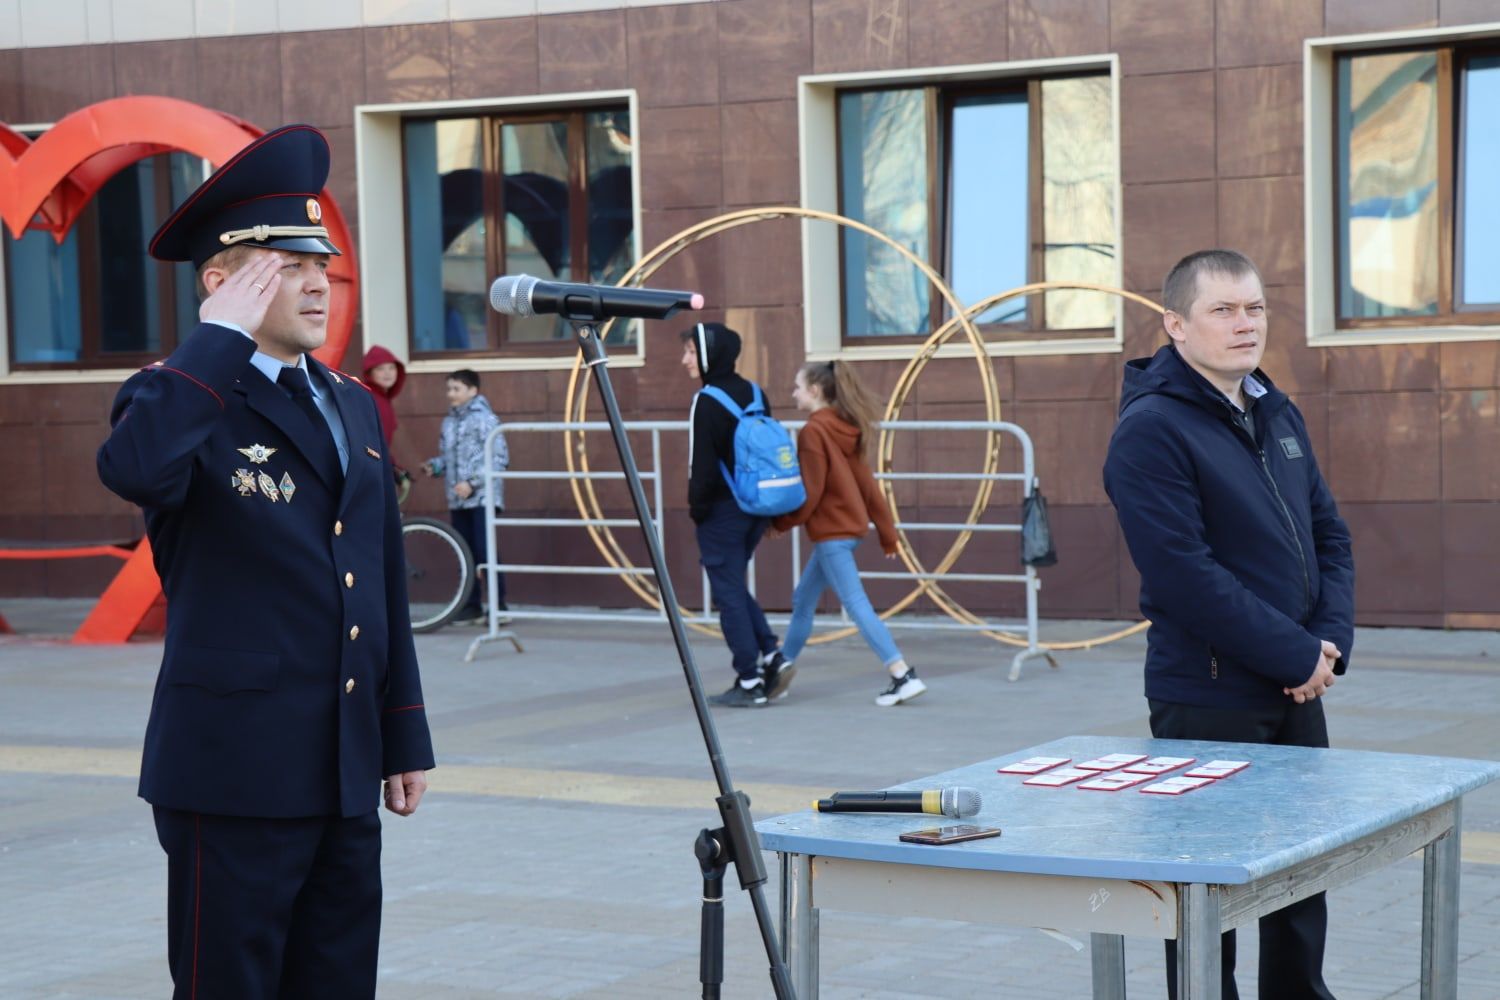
{"x":385,"y":376}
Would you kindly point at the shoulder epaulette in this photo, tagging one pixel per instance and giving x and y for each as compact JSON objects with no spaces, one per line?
{"x":335,"y":373}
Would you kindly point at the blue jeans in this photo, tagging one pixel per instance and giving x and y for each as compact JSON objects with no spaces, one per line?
{"x":726,"y":541}
{"x":832,"y":565}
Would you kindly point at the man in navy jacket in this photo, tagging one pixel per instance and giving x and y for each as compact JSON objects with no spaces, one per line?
{"x":1246,"y":570}
{"x":288,"y":687}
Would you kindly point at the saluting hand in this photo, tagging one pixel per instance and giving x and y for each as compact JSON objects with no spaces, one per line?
{"x":403,"y":792}
{"x":243,"y":297}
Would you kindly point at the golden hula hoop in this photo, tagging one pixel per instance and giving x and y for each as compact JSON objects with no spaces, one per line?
{"x":576,"y":405}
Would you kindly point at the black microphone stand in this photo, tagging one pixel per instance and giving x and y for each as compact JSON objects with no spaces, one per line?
{"x":736,"y":841}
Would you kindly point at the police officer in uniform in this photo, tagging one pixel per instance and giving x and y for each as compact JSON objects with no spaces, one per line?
{"x":288,"y":687}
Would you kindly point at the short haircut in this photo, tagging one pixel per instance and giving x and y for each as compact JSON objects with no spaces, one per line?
{"x":467,"y":376}
{"x":229,"y":259}
{"x":1180,"y":289}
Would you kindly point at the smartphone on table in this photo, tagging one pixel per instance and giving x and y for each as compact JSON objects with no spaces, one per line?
{"x":955,"y":834}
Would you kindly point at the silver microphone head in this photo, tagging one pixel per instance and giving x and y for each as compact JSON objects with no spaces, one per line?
{"x":510,"y":295}
{"x":959,"y":803}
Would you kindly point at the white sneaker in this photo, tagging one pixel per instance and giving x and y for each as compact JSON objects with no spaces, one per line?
{"x":903,"y":688}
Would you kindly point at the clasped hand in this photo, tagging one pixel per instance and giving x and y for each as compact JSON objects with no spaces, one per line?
{"x":1322,"y":676}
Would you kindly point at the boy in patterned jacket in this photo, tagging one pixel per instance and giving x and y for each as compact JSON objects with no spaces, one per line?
{"x":461,"y":464}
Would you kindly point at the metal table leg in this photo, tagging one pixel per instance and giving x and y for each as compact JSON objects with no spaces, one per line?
{"x":1109,"y":966}
{"x":1198,"y":943}
{"x":1440,"y":913}
{"x":799,"y":924}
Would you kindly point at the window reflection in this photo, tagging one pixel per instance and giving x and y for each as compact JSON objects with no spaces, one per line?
{"x":1078,"y":200}
{"x":535,"y":161}
{"x":547,"y":208}
{"x":1388,"y":185}
{"x":1000,"y":213}
{"x":883,"y":179}
{"x":446,"y":234}
{"x":1479,"y":213}
{"x":988,"y":198}
{"x":98,"y":294}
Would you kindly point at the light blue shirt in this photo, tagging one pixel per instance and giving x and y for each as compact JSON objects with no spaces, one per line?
{"x":271,"y":368}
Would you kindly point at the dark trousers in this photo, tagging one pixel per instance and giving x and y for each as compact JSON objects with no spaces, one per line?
{"x":469,"y":522}
{"x":1292,"y":938}
{"x":271,"y":908}
{"x":726,"y":541}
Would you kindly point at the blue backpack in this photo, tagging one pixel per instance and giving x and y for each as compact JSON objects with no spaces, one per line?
{"x":767,"y":480}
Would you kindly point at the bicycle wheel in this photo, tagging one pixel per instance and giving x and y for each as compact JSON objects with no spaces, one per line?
{"x":439,"y":571}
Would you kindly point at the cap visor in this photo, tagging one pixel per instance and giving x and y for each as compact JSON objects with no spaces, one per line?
{"x":301,"y":244}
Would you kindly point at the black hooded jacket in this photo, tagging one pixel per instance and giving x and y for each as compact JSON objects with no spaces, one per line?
{"x":1245,"y":563}
{"x":712,"y":436}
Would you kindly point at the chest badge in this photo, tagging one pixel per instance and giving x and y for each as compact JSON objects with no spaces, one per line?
{"x":268,"y":487}
{"x":1290,"y":446}
{"x":257,"y":453}
{"x":287,"y":486}
{"x":371,"y":452}
{"x":244,"y":481}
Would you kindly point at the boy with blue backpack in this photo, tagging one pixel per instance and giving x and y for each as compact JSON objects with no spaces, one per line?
{"x":727,"y":417}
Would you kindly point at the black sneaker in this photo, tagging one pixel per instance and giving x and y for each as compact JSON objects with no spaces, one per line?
{"x":778,"y":672}
{"x":739,"y":697}
{"x":903,"y":688}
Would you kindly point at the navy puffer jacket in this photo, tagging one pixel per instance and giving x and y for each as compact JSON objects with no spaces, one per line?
{"x":1245,"y":563}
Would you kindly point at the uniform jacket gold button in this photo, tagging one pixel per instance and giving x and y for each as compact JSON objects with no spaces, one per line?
{"x":348,"y":579}
{"x":354,"y":632}
{"x":338,"y":527}
{"x":349,"y":686}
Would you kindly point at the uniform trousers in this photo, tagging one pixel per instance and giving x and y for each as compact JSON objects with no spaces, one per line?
{"x":726,"y":540}
{"x":271,"y":908}
{"x":1292,"y":938}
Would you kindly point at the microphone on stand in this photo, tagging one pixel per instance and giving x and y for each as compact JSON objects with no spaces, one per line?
{"x":523,"y":295}
{"x":956,"y":803}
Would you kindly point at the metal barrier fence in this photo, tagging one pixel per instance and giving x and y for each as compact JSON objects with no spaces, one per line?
{"x":652,"y":481}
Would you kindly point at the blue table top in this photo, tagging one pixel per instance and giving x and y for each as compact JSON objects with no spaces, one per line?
{"x":1291,"y":804}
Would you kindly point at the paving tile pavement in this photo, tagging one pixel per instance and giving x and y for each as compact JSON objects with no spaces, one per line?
{"x":557,"y":861}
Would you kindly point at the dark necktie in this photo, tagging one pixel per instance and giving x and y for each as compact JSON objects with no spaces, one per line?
{"x":325,"y":454}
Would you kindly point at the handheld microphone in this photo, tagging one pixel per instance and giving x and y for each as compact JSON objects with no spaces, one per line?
{"x":523,"y":295}
{"x":956,"y":803}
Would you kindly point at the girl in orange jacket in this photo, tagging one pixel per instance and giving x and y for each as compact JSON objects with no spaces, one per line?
{"x":842,"y":500}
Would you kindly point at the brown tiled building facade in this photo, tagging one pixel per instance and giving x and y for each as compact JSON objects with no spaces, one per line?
{"x":1213,"y":111}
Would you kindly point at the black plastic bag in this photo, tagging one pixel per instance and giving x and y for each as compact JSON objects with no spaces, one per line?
{"x":1036,"y":532}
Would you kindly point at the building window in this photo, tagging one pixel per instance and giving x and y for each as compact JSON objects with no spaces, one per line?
{"x":995,"y":186}
{"x":97,"y":299}
{"x":547,"y":194}
{"x":1417,"y":214}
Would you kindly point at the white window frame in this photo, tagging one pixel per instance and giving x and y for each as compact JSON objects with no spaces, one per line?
{"x":382,"y":226}
{"x":822,"y":281}
{"x":1318,"y":141}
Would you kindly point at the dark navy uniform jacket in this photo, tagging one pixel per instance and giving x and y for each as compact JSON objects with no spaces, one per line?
{"x":1245,"y":562}
{"x":289,"y":683}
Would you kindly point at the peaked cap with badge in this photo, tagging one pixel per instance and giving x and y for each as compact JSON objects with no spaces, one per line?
{"x":265,"y":196}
